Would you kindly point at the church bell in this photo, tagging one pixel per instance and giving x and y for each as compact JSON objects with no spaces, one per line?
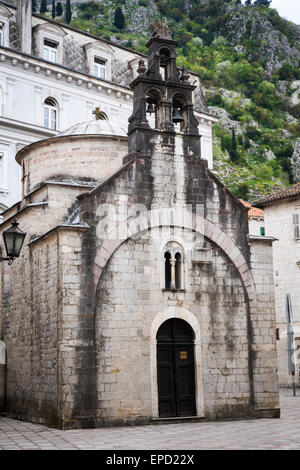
{"x":150,"y":108}
{"x":177,"y":116}
{"x":163,"y":61}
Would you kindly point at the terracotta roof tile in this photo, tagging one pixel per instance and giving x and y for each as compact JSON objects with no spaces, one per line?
{"x":286,"y":193}
{"x":254,"y":211}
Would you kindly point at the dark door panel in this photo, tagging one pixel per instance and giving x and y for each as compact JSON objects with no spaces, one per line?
{"x":175,"y":369}
{"x":166,"y":382}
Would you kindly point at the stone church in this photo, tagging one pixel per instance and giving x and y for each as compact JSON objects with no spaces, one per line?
{"x":138,"y":296}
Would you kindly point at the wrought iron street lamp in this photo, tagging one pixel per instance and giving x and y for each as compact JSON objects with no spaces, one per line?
{"x":13,"y":241}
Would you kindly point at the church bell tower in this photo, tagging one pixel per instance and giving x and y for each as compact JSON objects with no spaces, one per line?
{"x":163,"y":98}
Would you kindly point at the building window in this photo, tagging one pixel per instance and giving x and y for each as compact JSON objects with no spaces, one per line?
{"x":50,"y":50}
{"x":262,"y":231}
{"x":1,"y":168}
{"x":173,"y":269}
{"x":50,"y":114}
{"x":100,"y":68}
{"x":296,"y":226}
{"x":1,"y":35}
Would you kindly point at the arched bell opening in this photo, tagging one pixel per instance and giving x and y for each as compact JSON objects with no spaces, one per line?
{"x":164,"y":63}
{"x":153,"y":101}
{"x":179,"y":115}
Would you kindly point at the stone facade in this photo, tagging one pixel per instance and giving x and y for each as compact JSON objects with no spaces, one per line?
{"x":286,"y":258}
{"x":83,"y":305}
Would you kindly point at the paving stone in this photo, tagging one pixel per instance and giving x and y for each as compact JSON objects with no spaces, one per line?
{"x":266,"y":434}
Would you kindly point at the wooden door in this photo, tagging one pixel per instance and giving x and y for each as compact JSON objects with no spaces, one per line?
{"x":175,"y":369}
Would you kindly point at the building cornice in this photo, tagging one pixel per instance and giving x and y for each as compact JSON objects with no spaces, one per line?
{"x":62,"y":73}
{"x":24,"y":126}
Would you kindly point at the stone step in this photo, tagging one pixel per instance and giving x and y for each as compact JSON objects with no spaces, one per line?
{"x":179,"y":420}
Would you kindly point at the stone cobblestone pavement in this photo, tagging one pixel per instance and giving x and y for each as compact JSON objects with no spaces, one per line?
{"x":269,"y":434}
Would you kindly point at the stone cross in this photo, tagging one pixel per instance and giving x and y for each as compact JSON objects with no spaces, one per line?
{"x":97,"y":113}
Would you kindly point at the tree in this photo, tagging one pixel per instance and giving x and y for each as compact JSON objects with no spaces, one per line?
{"x":59,"y":9}
{"x":238,"y":2}
{"x":247,"y":3}
{"x":286,"y":72}
{"x":119,"y":19}
{"x":222,"y":144}
{"x":53,"y":9}
{"x":243,"y":190}
{"x":233,"y":139}
{"x":33,"y":6}
{"x":233,"y":153}
{"x":43,"y":7}
{"x":68,"y":11}
{"x":90,"y":10}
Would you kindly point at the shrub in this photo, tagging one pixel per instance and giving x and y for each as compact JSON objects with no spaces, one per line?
{"x":219,"y":41}
{"x":286,"y":72}
{"x":216,"y":100}
{"x":253,"y":133}
{"x":242,"y":191}
{"x":198,"y":42}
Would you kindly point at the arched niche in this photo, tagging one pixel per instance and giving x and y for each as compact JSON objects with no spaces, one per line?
{"x":154,"y":113}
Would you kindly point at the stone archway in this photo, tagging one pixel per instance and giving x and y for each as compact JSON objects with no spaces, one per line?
{"x":203,"y":226}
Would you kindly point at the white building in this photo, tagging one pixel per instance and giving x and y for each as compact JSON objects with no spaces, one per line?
{"x":53,"y":76}
{"x":282,"y":221}
{"x":256,"y":219}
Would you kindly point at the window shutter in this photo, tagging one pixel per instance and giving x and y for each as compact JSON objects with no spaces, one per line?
{"x":296,"y":226}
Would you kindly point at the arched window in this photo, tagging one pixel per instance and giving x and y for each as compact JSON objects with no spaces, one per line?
{"x":174,"y":268}
{"x":50,"y":114}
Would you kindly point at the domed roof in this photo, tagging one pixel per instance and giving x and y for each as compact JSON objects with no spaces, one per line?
{"x":95,"y":127}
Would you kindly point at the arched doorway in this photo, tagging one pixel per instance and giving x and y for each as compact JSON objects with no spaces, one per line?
{"x":175,"y":369}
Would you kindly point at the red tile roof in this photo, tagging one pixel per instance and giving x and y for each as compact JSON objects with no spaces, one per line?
{"x":254,"y":211}
{"x":290,"y":192}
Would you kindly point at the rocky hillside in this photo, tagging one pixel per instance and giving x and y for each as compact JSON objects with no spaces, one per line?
{"x":247,"y":58}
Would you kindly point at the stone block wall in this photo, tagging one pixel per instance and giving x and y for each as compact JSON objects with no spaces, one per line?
{"x":129,"y":301}
{"x":263,"y":328}
{"x":31,"y":295}
{"x":42,"y":291}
